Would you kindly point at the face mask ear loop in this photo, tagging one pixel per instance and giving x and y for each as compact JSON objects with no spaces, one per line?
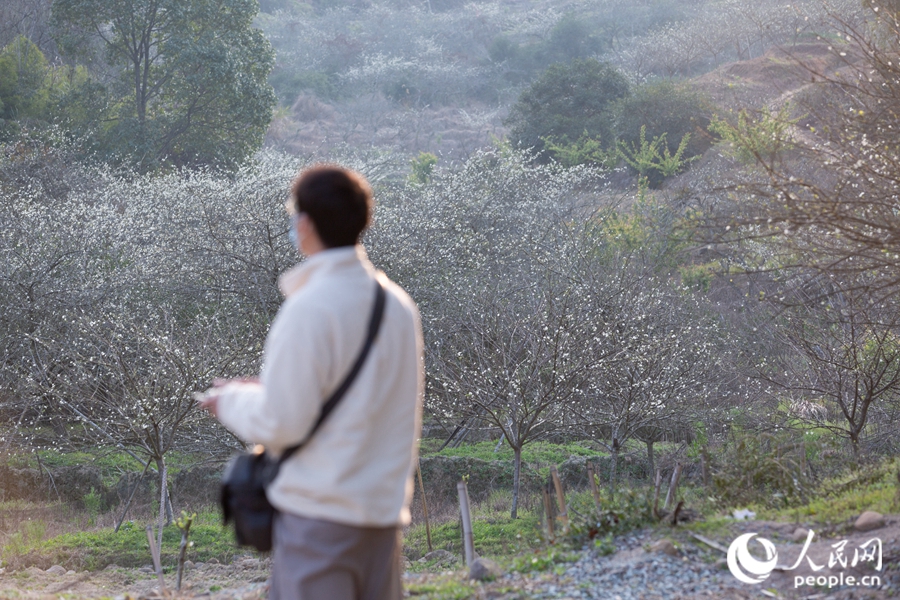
{"x":292,"y":231}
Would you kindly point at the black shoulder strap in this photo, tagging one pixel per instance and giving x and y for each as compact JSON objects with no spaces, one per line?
{"x":332,"y":402}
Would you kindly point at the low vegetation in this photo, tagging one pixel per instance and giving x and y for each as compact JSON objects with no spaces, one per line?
{"x":82,"y":537}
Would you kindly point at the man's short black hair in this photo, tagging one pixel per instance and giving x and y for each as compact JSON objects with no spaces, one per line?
{"x":338,"y":201}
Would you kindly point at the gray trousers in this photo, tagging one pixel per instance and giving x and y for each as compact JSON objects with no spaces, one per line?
{"x":321,"y":560}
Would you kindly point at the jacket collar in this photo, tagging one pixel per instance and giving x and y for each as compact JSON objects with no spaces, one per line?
{"x":322,"y":262}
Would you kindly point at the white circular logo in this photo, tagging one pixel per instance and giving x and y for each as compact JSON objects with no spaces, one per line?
{"x":746,"y":568}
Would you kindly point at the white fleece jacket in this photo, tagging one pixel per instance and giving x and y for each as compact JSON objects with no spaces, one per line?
{"x":357,"y":468}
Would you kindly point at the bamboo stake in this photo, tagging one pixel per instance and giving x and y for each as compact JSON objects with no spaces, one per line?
{"x":468,"y":540}
{"x":673,"y":486}
{"x":163,"y":498}
{"x":594,"y":491}
{"x":656,"y":493}
{"x":560,"y":497}
{"x":154,"y":551}
{"x":424,"y":504}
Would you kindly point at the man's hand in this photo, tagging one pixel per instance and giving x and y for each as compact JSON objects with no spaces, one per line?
{"x":209,"y":400}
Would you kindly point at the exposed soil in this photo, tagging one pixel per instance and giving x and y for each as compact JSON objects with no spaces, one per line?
{"x":246,"y":577}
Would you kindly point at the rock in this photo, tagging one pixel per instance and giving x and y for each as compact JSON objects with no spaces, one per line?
{"x":247,"y":563}
{"x":868,"y":521}
{"x":484,"y":569}
{"x":146,"y":569}
{"x":439,"y":556}
{"x":800,"y":534}
{"x":664,"y":546}
{"x":188,"y":564}
{"x":70,"y":572}
{"x":56,"y":570}
{"x":744,"y":514}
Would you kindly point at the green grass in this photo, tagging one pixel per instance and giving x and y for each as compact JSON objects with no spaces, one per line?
{"x":109,"y":460}
{"x":535,"y":454}
{"x":496,"y":536}
{"x":843,"y":498}
{"x":442,"y":588}
{"x":94,"y":550}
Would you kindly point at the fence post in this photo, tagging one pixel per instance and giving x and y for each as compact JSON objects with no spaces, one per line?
{"x":548,"y":511}
{"x":594,"y":491}
{"x":560,"y":497}
{"x":673,"y":486}
{"x":656,"y":487}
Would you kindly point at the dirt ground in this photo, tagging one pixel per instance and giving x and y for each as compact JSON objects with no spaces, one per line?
{"x":246,"y":577}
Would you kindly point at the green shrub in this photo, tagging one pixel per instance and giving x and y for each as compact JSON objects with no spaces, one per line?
{"x":761,"y":469}
{"x":665,"y":108}
{"x":629,"y":509}
{"x":422,"y":166}
{"x":567,"y":101}
{"x":584,"y":150}
{"x":751,"y":138}
{"x":652,"y":159}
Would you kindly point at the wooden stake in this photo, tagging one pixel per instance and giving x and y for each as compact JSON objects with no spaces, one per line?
{"x":656,"y":493}
{"x":468,"y":540}
{"x":424,"y":504}
{"x":594,"y":490}
{"x":560,"y":497}
{"x":154,"y":552}
{"x":548,"y":511}
{"x":673,"y":486}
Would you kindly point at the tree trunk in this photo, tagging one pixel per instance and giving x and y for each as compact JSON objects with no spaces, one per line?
{"x":163,"y":499}
{"x":517,"y":471}
{"x":650,"y":457}
{"x":613,"y":468}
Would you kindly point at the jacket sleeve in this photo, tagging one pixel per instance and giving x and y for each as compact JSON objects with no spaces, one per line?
{"x":280,"y":411}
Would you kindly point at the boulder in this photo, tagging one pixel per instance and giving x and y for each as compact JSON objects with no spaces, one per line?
{"x":800,"y":534}
{"x":57,"y":570}
{"x":868,"y":521}
{"x":664,"y":546}
{"x":484,"y":569}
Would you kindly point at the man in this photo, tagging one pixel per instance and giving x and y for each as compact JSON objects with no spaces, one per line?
{"x":342,"y":497}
